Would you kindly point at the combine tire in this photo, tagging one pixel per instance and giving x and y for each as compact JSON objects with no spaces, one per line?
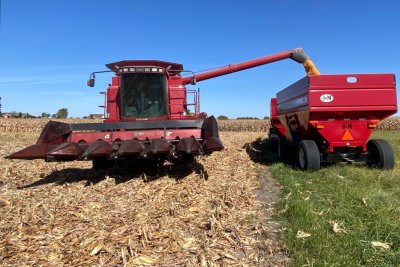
{"x":308,"y":157}
{"x":102,"y":164}
{"x":380,"y":154}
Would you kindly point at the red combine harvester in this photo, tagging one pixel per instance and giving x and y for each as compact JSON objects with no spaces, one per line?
{"x":329,"y":118}
{"x":146,"y":116}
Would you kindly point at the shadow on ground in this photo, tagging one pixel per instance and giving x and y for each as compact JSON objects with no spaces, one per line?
{"x":264,"y":152}
{"x":121,"y":173}
{"x":261,"y":151}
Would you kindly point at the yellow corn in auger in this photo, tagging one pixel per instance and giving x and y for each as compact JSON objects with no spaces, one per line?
{"x":310,"y":67}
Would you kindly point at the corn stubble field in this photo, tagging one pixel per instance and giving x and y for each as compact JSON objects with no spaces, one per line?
{"x":67,"y":214}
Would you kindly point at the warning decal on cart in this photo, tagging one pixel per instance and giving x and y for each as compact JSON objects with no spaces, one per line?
{"x":347,"y":136}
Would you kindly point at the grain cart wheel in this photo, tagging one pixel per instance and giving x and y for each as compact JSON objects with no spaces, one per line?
{"x":308,"y":155}
{"x":273,"y":142}
{"x":282,"y":148}
{"x":380,"y":154}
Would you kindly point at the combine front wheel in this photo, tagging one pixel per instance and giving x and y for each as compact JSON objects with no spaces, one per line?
{"x":308,"y":156}
{"x":102,"y":164}
{"x":380,"y":154}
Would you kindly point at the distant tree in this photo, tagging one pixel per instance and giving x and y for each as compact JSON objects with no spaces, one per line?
{"x":266,"y":118}
{"x":84,"y":117}
{"x":45,"y":115}
{"x":20,"y":115}
{"x":62,"y":113}
{"x":223,"y":117}
{"x":54,"y":116}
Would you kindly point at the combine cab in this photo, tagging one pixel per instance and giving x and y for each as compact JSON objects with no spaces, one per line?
{"x":149,"y":114}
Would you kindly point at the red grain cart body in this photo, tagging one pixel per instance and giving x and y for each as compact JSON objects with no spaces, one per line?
{"x":329,"y":118}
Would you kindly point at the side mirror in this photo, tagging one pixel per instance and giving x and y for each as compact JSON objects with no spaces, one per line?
{"x":90,"y":82}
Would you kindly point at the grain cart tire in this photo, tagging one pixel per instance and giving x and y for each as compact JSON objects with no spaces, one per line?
{"x":308,"y":157}
{"x":380,"y":154}
{"x":102,"y":164}
{"x":273,"y":142}
{"x":282,"y":148}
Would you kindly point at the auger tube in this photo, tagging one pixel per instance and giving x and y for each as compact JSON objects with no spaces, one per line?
{"x":296,"y":54}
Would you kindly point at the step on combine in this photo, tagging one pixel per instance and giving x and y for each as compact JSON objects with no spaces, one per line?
{"x":149,"y":114}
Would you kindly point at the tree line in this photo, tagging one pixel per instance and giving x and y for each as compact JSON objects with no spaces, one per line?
{"x":62,"y":113}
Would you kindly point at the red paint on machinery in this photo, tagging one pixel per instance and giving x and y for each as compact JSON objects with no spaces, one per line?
{"x":337,"y":113}
{"x":148,"y":113}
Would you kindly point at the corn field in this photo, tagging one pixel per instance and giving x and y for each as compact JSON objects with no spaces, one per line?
{"x":36,"y":125}
{"x":67,"y":214}
{"x":33,"y":125}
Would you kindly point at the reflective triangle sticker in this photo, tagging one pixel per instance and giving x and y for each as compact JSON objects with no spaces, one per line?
{"x":347,"y":136}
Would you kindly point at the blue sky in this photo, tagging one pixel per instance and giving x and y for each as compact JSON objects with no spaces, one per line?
{"x":49,"y":48}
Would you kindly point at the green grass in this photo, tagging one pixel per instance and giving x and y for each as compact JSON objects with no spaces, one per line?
{"x":365,"y":202}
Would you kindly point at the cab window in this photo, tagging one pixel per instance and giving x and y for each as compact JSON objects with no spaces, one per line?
{"x":143,"y":95}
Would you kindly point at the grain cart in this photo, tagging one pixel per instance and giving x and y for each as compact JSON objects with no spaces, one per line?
{"x":329,"y":118}
{"x":147,"y":115}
